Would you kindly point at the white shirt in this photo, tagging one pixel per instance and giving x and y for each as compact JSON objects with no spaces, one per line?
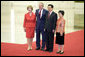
{"x":41,"y":13}
{"x":50,"y":12}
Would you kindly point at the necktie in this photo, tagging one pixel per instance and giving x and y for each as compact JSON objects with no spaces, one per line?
{"x":40,"y":13}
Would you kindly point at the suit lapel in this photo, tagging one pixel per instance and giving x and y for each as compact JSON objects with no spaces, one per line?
{"x":38,"y":11}
{"x":43,"y":13}
{"x":51,"y":14}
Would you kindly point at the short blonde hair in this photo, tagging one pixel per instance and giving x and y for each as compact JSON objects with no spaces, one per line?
{"x":29,"y":6}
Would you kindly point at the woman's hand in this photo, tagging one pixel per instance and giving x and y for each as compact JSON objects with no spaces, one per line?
{"x":25,"y":29}
{"x":61,"y":34}
{"x":53,"y":30}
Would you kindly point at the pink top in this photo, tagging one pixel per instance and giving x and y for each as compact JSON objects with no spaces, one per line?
{"x":60,"y":25}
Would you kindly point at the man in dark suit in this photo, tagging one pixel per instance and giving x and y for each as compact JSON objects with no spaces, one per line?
{"x":50,"y":25}
{"x":41,"y":18}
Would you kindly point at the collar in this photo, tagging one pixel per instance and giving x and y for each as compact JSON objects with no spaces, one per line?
{"x":50,"y":12}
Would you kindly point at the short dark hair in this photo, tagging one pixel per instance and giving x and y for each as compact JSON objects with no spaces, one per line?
{"x":62,"y":12}
{"x":50,"y":5}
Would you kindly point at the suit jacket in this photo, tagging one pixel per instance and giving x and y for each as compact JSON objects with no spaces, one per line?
{"x":29,"y":21}
{"x":40,"y":22}
{"x":51,"y":22}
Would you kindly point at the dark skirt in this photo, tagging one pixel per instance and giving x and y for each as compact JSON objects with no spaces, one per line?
{"x":59,"y":39}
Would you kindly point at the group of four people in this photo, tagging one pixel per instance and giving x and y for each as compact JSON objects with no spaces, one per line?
{"x":46,"y":23}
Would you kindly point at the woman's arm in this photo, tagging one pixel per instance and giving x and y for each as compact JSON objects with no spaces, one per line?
{"x":35,"y":21}
{"x":64,"y":25}
{"x":55,"y":19}
{"x":24,"y":24}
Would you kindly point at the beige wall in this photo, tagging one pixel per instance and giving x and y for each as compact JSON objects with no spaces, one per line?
{"x":19,"y":8}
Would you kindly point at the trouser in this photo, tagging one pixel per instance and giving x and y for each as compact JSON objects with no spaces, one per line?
{"x":49,"y":40}
{"x":38,"y":31}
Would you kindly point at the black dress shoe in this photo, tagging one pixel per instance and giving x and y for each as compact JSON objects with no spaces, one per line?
{"x":58,"y":52}
{"x":50,"y":51}
{"x":46,"y":50}
{"x":61,"y":52}
{"x":42,"y":49}
{"x":37,"y":48}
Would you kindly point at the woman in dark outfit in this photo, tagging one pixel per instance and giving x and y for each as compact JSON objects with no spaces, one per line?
{"x":60,"y":31}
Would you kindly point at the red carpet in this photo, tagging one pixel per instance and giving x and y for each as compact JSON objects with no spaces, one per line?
{"x":74,"y":46}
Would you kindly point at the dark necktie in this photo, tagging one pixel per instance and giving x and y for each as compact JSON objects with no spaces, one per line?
{"x":40,"y":13}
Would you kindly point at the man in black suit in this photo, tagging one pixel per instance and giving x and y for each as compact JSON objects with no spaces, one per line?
{"x":49,"y":28}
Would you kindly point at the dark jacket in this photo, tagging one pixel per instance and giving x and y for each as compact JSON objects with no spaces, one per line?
{"x":40,"y":23}
{"x":51,"y":22}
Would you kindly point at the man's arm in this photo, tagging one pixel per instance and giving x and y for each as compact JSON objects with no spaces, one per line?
{"x":55,"y":20}
{"x":45,"y":20}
